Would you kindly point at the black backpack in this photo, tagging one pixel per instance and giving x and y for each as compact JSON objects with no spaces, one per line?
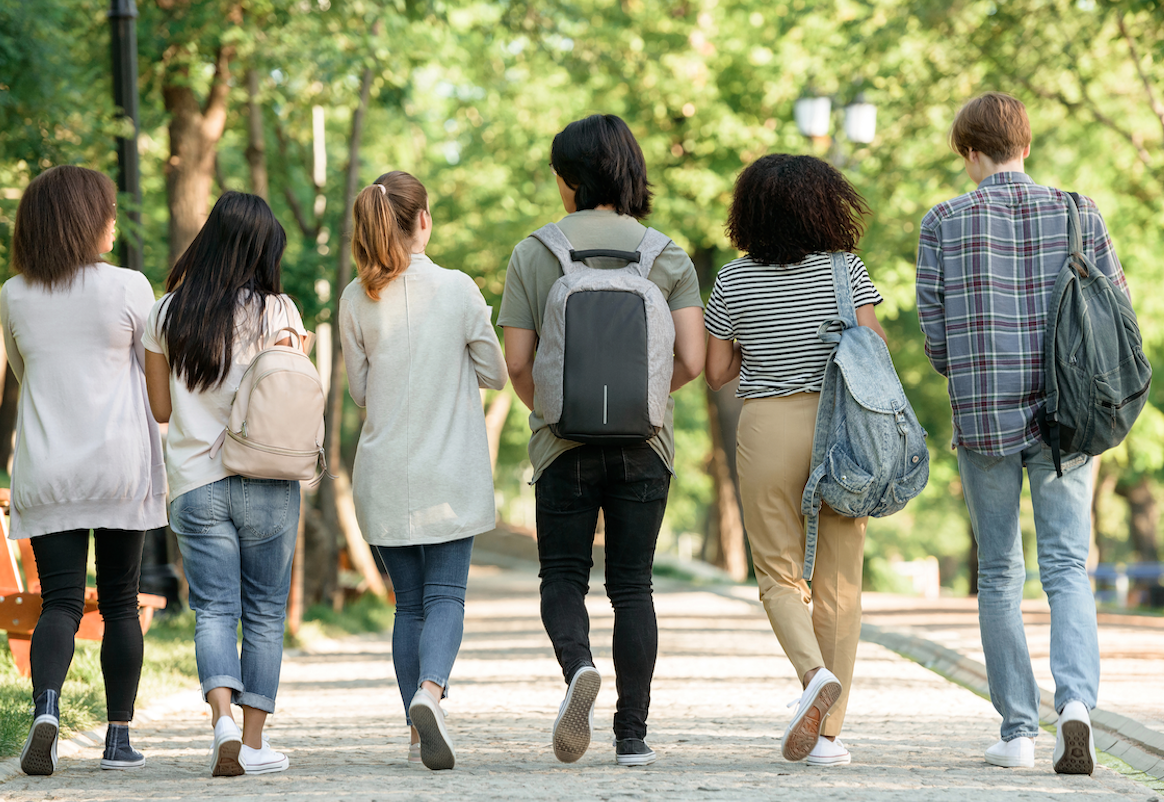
{"x":1097,"y":376}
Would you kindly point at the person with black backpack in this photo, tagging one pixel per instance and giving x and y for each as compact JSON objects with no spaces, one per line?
{"x":987,"y":267}
{"x":603,"y":320}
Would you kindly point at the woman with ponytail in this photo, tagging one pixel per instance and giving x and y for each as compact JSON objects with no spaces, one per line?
{"x":418,"y":345}
{"x":236,"y":534}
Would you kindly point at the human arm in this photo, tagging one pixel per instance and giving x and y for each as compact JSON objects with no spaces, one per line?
{"x":157,"y":375}
{"x":15,"y":360}
{"x":520,"y":348}
{"x":355,"y":358}
{"x":690,"y":345}
{"x":931,"y":309}
{"x":724,"y":358}
{"x":867,"y":316}
{"x":481,"y":339}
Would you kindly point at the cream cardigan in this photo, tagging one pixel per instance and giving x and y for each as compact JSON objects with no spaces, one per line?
{"x":88,"y":453}
{"x":416,"y":360}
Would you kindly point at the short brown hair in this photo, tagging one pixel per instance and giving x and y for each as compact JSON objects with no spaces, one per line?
{"x":994,"y":124}
{"x":383,"y":226}
{"x":60,"y":223}
{"x":785,"y":207}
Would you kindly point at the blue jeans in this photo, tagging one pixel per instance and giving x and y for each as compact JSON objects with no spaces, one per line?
{"x":237,"y":538}
{"x":429,"y":582}
{"x":992,"y":486}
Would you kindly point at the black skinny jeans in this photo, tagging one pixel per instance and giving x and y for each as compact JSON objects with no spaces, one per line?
{"x":62,"y":561}
{"x":629,"y":484}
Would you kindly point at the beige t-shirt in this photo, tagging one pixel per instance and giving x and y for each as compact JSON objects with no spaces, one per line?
{"x":533,"y":270}
{"x":198,"y":418}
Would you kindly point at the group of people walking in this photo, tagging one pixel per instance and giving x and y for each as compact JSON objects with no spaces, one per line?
{"x":101,"y":364}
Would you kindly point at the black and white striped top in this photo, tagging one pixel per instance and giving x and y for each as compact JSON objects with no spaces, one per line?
{"x":775,"y":311}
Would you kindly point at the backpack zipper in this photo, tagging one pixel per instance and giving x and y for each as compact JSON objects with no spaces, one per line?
{"x":288,"y":452}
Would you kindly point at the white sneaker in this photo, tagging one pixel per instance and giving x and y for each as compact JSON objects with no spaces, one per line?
{"x":802,"y":734}
{"x":414,"y":755}
{"x":436,"y":747}
{"x":828,"y":753}
{"x":224,"y":755}
{"x":1018,"y":753}
{"x":264,"y":760}
{"x":1074,"y":744}
{"x":575,"y":718}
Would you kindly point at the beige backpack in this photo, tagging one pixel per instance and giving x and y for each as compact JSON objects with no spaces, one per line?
{"x":275,"y":429}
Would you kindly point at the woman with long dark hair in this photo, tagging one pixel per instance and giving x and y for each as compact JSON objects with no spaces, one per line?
{"x":788,"y":214}
{"x":602,"y":180}
{"x":87,"y":454}
{"x":236,"y":534}
{"x":418,"y":343}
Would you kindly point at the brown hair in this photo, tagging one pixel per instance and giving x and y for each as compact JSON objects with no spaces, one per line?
{"x":785,"y":207}
{"x":384,"y":223}
{"x":994,"y":124}
{"x":60,"y":223}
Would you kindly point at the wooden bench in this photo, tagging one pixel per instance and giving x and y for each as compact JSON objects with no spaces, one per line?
{"x":20,"y":600}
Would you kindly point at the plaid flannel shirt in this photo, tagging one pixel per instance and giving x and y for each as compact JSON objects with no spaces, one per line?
{"x":986,"y":264}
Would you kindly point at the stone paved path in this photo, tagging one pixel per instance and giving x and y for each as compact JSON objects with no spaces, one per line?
{"x":718,"y":710}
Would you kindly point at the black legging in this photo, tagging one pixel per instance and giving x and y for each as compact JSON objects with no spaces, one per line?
{"x":62,"y":561}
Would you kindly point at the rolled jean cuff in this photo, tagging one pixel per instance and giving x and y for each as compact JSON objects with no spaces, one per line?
{"x":442,"y":681}
{"x":1031,"y":735}
{"x":255,"y":700}
{"x":221,"y":681}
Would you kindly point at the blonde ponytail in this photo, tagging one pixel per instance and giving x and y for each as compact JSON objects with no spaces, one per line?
{"x":384,"y":226}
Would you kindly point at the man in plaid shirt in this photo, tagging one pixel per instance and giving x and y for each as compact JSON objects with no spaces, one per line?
{"x":986,"y":266}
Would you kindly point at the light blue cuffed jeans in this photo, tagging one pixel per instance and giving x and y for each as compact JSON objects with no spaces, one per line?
{"x":237,"y":538}
{"x":992,"y":487}
{"x":429,"y":582}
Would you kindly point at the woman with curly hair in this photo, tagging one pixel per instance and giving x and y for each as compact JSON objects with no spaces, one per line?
{"x":788,"y":214}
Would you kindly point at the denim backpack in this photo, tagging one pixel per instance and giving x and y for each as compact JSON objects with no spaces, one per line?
{"x":869,"y":453}
{"x":1096,"y":374}
{"x":602,"y":373}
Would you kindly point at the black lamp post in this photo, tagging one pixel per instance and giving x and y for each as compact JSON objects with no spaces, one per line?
{"x":123,"y":40}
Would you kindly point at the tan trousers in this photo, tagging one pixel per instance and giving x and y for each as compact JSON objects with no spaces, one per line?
{"x":815,"y":628}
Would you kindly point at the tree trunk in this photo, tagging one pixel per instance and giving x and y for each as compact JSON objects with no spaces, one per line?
{"x":1143,"y":519}
{"x":725,"y":519}
{"x":1105,"y":485}
{"x":195,"y":130}
{"x":326,"y":565}
{"x":256,"y":144}
{"x":972,"y":560}
{"x":495,"y":418}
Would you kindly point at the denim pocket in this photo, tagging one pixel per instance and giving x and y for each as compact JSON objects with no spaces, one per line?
{"x":193,"y":513}
{"x":266,"y":503}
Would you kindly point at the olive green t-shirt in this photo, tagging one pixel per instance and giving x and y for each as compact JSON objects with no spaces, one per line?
{"x":533,"y":270}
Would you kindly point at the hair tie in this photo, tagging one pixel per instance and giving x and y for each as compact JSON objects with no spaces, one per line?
{"x":381,"y":187}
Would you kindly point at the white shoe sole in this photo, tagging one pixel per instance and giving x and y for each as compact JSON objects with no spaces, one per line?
{"x":636,"y":760}
{"x":224,"y":759}
{"x":38,"y":758}
{"x":802,"y":733}
{"x":122,"y":764}
{"x":572,"y":726}
{"x":1077,"y":757}
{"x":833,"y":760}
{"x":1008,"y":762}
{"x":436,"y":748}
{"x":268,"y":768}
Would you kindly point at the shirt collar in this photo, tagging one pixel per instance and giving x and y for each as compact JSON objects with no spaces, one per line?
{"x":1006,"y":178}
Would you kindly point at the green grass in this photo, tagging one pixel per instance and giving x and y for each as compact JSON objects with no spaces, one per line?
{"x":368,"y":613}
{"x":168,"y":667}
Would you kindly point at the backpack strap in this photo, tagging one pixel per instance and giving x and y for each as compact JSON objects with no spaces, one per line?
{"x":847,"y":312}
{"x":652,"y":245}
{"x":555,"y":241}
{"x":1048,"y":416}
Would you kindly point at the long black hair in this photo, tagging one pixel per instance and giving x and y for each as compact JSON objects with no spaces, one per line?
{"x":599,"y":158}
{"x":233,"y":261}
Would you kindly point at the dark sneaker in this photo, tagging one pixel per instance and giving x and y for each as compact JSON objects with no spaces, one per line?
{"x":118,"y":753}
{"x":575,"y":717}
{"x":39,"y":755}
{"x":633,"y":752}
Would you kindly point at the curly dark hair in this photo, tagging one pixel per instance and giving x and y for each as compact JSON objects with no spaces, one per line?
{"x":785,"y":207}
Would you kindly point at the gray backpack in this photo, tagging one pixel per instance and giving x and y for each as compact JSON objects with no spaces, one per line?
{"x":1096,"y":374}
{"x":869,"y":454}
{"x":602,"y":373}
